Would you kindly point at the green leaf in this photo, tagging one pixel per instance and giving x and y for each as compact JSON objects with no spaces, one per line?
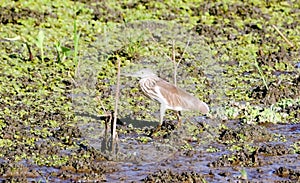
{"x":40,"y":39}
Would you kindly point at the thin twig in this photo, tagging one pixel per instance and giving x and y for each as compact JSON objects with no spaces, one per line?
{"x":177,"y":65}
{"x":186,"y":46}
{"x":114,"y":133}
{"x":159,"y":49}
{"x":174,"y":62}
{"x":262,"y":75}
{"x":167,"y":56}
{"x":173,"y":58}
{"x":102,"y":106}
{"x":173,"y":51}
{"x":280,"y":33}
{"x":30,"y":57}
{"x":73,"y":80}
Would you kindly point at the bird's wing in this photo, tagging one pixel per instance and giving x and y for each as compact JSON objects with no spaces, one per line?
{"x":176,"y":97}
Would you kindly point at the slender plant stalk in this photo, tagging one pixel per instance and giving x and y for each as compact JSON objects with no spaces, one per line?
{"x":114,"y":133}
{"x":42,"y":52}
{"x":58,"y":50}
{"x":76,"y":40}
{"x":41,"y":39}
{"x":40,"y":43}
{"x":186,"y":46}
{"x":174,"y":62}
{"x":281,"y":34}
{"x":30,"y":57}
{"x":76,"y":36}
{"x":244,"y":174}
{"x":261,"y":75}
{"x":173,"y":58}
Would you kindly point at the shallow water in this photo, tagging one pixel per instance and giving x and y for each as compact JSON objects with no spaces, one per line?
{"x":198,"y":161}
{"x":138,"y":160}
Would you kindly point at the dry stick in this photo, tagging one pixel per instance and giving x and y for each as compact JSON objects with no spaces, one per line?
{"x":186,"y":46}
{"x":102,"y":106}
{"x":168,"y":57}
{"x":30,"y":57}
{"x":175,"y":68}
{"x":73,"y":80}
{"x":173,"y":59}
{"x":29,"y":52}
{"x":157,"y":42}
{"x":174,"y":62}
{"x":159,"y":50}
{"x":177,"y":65}
{"x":280,"y":33}
{"x":114,"y":133}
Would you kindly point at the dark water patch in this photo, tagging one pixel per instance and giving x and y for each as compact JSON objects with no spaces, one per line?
{"x":291,"y":173}
{"x":274,"y":149}
{"x":25,"y":171}
{"x":259,"y":165}
{"x":171,"y":176}
{"x":276,"y":91}
{"x":14,"y":15}
{"x":245,"y":133}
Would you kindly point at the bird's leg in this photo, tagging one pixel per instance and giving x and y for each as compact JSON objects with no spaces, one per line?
{"x":155,"y":130}
{"x":178,"y":114}
{"x":162,"y":114}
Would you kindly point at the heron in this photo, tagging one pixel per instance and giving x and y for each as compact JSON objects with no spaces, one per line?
{"x":168,"y":95}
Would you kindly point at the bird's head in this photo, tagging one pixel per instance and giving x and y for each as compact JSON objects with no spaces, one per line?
{"x":143,"y":73}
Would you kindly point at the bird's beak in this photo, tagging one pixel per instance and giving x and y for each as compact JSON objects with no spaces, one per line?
{"x":129,"y":74}
{"x":125,"y":74}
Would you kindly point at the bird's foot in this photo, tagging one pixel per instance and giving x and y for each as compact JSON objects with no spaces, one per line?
{"x":155,"y":131}
{"x":178,"y":125}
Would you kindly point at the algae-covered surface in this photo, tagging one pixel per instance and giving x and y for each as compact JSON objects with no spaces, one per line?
{"x":58,"y":86}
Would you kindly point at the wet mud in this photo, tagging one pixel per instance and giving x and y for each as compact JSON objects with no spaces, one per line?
{"x":259,"y":154}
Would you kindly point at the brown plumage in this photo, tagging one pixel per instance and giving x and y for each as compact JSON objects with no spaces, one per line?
{"x":168,"y":95}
